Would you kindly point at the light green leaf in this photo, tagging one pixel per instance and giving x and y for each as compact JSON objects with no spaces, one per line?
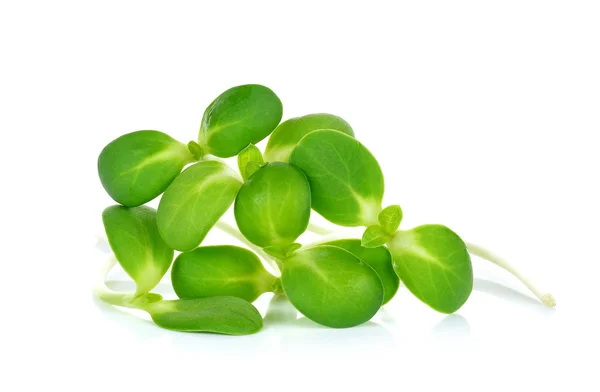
{"x":331,"y":286}
{"x":212,"y":271}
{"x":138,"y":166}
{"x":224,"y":315}
{"x":287,"y":134}
{"x":240,"y":116}
{"x":379,"y":259}
{"x":390,"y":218}
{"x":282,"y":252}
{"x":434,"y":264}
{"x":250,"y":154}
{"x":133,"y":236}
{"x":273,"y":207}
{"x":194,"y":202}
{"x":346,"y":181}
{"x":374,"y":236}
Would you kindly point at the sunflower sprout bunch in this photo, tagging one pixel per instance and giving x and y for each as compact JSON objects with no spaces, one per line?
{"x":311,"y":163}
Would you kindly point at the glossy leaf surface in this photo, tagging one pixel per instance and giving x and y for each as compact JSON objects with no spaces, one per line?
{"x":273,"y":207}
{"x":331,"y":286}
{"x":194,"y":202}
{"x":137,"y":167}
{"x":287,"y":134}
{"x":224,"y":315}
{"x":379,"y":259}
{"x":212,"y":271}
{"x":133,"y":236}
{"x":346,"y":181}
{"x":435,"y":266}
{"x":240,"y":116}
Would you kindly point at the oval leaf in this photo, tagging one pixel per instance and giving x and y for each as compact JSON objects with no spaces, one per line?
{"x":331,"y":286}
{"x":133,"y":236}
{"x":212,"y":271}
{"x":250,"y":154}
{"x":379,"y":259}
{"x":194,"y":202}
{"x":138,"y":166}
{"x":224,"y":315}
{"x":390,"y":218}
{"x":273,"y":207}
{"x":346,"y":181}
{"x":434,"y":264}
{"x":240,"y":116}
{"x":287,"y":134}
{"x":374,"y":236}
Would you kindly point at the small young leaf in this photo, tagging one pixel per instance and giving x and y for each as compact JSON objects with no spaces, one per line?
{"x":374,"y":236}
{"x":346,"y":181}
{"x":138,"y":166}
{"x":251,"y":168}
{"x":287,"y":134}
{"x":379,"y":259}
{"x":224,"y":315}
{"x":273,"y":207}
{"x":434,"y":264}
{"x":240,"y":116}
{"x":212,"y":271}
{"x":249,"y":154}
{"x":331,"y":286}
{"x":133,"y":236}
{"x":194,"y":202}
{"x":282,"y":252}
{"x":390,"y":218}
{"x":195,"y":150}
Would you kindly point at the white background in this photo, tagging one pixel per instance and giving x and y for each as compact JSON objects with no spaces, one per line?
{"x":483,"y":114}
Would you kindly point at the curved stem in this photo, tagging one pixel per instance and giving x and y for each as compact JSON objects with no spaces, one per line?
{"x":232,"y":231}
{"x":546,"y":298}
{"x":104,"y":293}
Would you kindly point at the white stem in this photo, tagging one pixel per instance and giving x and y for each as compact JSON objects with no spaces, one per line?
{"x":319,"y":229}
{"x":104,"y":293}
{"x":232,"y":231}
{"x":546,"y":298}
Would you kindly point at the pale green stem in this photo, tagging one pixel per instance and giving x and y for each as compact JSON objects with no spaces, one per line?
{"x":546,"y":298}
{"x":232,"y":231}
{"x":104,"y":293}
{"x":319,"y":229}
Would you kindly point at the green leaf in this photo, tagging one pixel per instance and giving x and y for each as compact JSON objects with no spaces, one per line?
{"x":195,"y":150}
{"x":273,"y":207}
{"x":390,"y":218}
{"x":346,"y":181}
{"x":240,"y":116}
{"x":194,"y":202}
{"x":250,"y":154}
{"x":133,"y":236}
{"x":287,"y":134}
{"x":379,"y":259}
{"x":138,"y":166}
{"x":282,"y":252}
{"x":434,"y":264}
{"x":212,"y":271}
{"x":224,"y":315}
{"x":331,"y":286}
{"x":374,"y":236}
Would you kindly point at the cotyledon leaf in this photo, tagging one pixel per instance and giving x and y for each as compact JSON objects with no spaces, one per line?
{"x":224,"y":270}
{"x":224,"y":315}
{"x":138,"y":166}
{"x":272,"y":208}
{"x":194,"y":202}
{"x":239,"y":116}
{"x":346,"y":181}
{"x":379,"y":259}
{"x":331,"y":286}
{"x":287,"y":134}
{"x":434,"y":264}
{"x":133,"y":236}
